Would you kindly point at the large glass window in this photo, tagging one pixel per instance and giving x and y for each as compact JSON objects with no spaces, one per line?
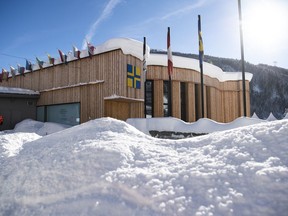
{"x":68,"y":114}
{"x":41,"y":113}
{"x":149,"y":98}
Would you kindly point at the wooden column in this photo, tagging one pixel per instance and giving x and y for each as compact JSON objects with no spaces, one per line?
{"x":158,"y":98}
{"x":176,"y":99}
{"x":190,"y":102}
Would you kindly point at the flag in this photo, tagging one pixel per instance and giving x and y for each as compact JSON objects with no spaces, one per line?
{"x":5,"y":74}
{"x":144,"y":59}
{"x":13,"y":71}
{"x":21,"y":70}
{"x":51,"y":60}
{"x":201,"y":49}
{"x":169,"y":53}
{"x":90,"y":48}
{"x":28,"y":65}
{"x":40,"y":63}
{"x":133,"y":76}
{"x":63,"y":57}
{"x":76,"y":52}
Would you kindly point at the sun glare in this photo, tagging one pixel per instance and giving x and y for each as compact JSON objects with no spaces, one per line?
{"x":265,"y":24}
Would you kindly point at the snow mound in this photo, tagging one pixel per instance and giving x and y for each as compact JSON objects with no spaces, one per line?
{"x":271,"y":117}
{"x":107,"y":167}
{"x":40,"y":128}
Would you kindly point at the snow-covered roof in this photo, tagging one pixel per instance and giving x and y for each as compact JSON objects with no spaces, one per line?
{"x":127,"y":45}
{"x":135,"y":48}
{"x":21,"y":91}
{"x":189,"y":63}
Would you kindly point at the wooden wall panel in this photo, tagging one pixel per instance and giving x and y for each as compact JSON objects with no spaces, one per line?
{"x":119,"y":110}
{"x":223,"y":99}
{"x":136,"y":110}
{"x":219,"y":106}
{"x":190,"y":102}
{"x":209,"y":102}
{"x":176,"y":99}
{"x":158,"y":98}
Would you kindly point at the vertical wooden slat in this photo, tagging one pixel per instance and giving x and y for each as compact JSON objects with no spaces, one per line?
{"x":176,"y":99}
{"x":158,"y":98}
{"x":190,"y":94}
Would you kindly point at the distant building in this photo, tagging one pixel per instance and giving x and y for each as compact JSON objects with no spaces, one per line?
{"x":110,"y":82}
{"x":16,"y":105}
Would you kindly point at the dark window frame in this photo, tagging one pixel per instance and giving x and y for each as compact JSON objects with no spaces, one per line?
{"x":149,"y":103}
{"x":51,"y":105}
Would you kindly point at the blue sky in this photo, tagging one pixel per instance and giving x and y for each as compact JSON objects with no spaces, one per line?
{"x":34,"y":28}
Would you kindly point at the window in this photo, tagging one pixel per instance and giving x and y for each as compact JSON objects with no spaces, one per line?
{"x":41,"y":113}
{"x":166,"y":98}
{"x":68,"y":114}
{"x":149,"y":99}
{"x":183,"y":102}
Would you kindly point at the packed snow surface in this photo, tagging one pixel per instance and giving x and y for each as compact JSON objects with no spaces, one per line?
{"x":107,"y":167}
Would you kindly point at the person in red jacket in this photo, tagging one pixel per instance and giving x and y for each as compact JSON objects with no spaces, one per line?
{"x":1,"y":119}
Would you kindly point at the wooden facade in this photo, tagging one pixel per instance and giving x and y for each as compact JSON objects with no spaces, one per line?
{"x":222,"y":100}
{"x":99,"y":84}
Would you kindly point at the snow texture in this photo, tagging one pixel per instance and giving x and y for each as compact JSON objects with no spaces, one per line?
{"x":108,"y":167}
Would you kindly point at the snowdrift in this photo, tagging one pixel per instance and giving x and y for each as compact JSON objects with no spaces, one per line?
{"x":107,"y":167}
{"x":201,"y":126}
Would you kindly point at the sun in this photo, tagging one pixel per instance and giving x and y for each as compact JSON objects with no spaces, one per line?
{"x":265,"y":23}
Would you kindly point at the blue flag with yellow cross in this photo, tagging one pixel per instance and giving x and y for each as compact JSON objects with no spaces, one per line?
{"x":133,"y":76}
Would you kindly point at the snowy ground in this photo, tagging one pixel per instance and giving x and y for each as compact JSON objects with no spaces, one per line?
{"x":107,"y":167}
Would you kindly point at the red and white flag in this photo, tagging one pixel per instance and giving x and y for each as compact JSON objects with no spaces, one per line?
{"x":169,"y":53}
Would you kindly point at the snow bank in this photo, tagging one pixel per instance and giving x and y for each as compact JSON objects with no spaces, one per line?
{"x":12,"y":141}
{"x":271,"y":117}
{"x":40,"y":128}
{"x":107,"y":167}
{"x":201,"y":126}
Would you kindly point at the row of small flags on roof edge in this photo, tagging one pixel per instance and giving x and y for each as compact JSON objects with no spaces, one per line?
{"x":76,"y":54}
{"x":63,"y":57}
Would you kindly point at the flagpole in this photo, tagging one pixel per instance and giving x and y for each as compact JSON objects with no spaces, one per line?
{"x":170,"y":68}
{"x":201,"y":54}
{"x":242,"y":58}
{"x":144,"y":73}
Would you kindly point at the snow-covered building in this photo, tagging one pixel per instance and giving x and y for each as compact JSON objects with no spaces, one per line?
{"x":110,"y":82}
{"x":16,"y":105}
